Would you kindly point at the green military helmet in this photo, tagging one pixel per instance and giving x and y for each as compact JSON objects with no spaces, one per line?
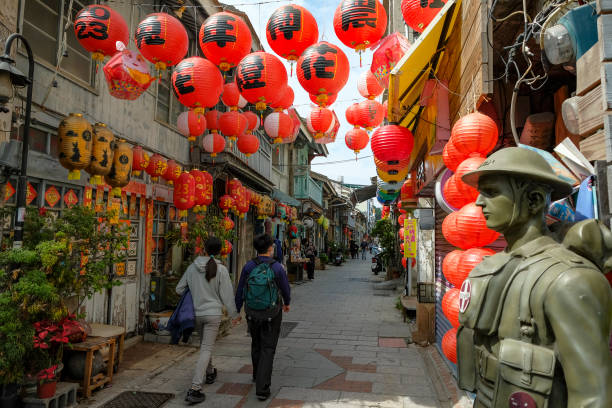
{"x":521,"y":162}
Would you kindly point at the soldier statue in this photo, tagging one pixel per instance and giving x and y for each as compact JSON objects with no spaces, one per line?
{"x":535,"y":318}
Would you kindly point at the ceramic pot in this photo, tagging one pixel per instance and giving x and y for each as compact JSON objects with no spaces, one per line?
{"x":46,"y":389}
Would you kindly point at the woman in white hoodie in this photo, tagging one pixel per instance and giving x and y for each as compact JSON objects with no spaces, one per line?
{"x":211,"y":289}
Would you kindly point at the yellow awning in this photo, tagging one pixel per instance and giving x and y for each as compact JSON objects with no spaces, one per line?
{"x":418,"y":65}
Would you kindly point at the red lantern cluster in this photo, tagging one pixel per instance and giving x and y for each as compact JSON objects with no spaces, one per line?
{"x":98,"y":28}
{"x":226,"y":249}
{"x":232,"y":124}
{"x":225,"y":39}
{"x":162,"y":39}
{"x":322,"y":70}
{"x":227,"y":223}
{"x":197,"y":83}
{"x":467,"y":228}
{"x":360,"y":24}
{"x":290,"y":30}
{"x":259,"y":76}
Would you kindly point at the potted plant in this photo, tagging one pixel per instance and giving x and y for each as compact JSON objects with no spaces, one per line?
{"x":46,"y":382}
{"x":324,"y":259}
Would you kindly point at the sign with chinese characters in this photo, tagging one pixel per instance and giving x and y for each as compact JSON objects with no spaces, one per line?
{"x":87,"y":196}
{"x":31,"y":194}
{"x":52,"y":196}
{"x":410,"y":238}
{"x":9,"y":191}
{"x":70,"y":198}
{"x":149,"y":244}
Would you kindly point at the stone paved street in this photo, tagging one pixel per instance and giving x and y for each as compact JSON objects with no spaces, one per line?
{"x":348,"y":349}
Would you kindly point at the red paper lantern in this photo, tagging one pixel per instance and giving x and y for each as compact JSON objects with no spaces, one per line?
{"x":385,"y":212}
{"x":191,"y":124}
{"x":407,"y":190}
{"x":450,"y":266}
{"x":233,"y":187}
{"x":401,"y":219}
{"x":285,"y":101}
{"x":98,"y":28}
{"x":127,"y":74}
{"x":184,"y":193}
{"x":352,"y":114}
{"x":404,"y":262}
{"x":368,"y":85}
{"x":290,"y":30}
{"x":320,"y":121}
{"x":242,"y":203}
{"x":231,"y":96}
{"x":450,"y":306}
{"x":259,"y":76}
{"x":227,"y":223}
{"x":203,"y":189}
{"x":356,"y":139}
{"x":469,"y":164}
{"x":140,"y":160}
{"x":232,"y":124}
{"x":474,"y":134}
{"x":449,"y":229}
{"x":386,"y":108}
{"x":213,"y":143}
{"x":226,"y":249}
{"x":418,"y":14}
{"x":393,"y":166}
{"x":212,"y":120}
{"x":248,"y":144}
{"x":400,"y":207}
{"x":197,"y":83}
{"x":278,"y":126}
{"x":323,"y":69}
{"x":401,"y":233}
{"x":226,"y":203}
{"x":360,"y":24}
{"x":172,"y":173}
{"x":451,"y":156}
{"x":391,"y":143}
{"x":472,"y":228}
{"x":388,"y":53}
{"x":370,"y":114}
{"x":468,"y":261}
{"x":157,"y":167}
{"x":161,"y":39}
{"x":452,"y":194}
{"x":225,"y":39}
{"x":331,"y":98}
{"x":252,"y":120}
{"x":449,"y":345}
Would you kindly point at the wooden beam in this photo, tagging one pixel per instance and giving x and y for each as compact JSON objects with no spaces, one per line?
{"x":588,"y":75}
{"x":594,"y":147}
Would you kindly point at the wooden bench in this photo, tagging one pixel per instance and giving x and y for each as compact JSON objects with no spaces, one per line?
{"x":90,"y":346}
{"x":109,"y":331}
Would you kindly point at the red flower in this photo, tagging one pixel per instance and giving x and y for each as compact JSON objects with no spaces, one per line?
{"x":42,"y":211}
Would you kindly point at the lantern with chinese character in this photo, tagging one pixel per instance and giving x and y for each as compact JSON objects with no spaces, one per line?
{"x":450,"y":306}
{"x":331,"y":98}
{"x":451,"y":156}
{"x":290,"y":30}
{"x":449,"y":341}
{"x":256,"y":199}
{"x":259,"y":77}
{"x":226,"y":249}
{"x":75,"y":134}
{"x":203,"y":189}
{"x":322,"y":70}
{"x":225,"y":39}
{"x":172,"y":173}
{"x":212,"y":120}
{"x":252,"y":120}
{"x":248,"y":144}
{"x":127,"y":74}
{"x":285,"y":101}
{"x":98,"y":28}
{"x":356,"y":139}
{"x":101,"y":153}
{"x":278,"y":126}
{"x":418,"y":14}
{"x":368,"y":85}
{"x":370,"y":114}
{"x":121,"y":170}
{"x":191,"y":124}
{"x":227,"y":223}
{"x":242,"y":203}
{"x":231,"y":96}
{"x":233,"y":187}
{"x":320,"y":121}
{"x":232,"y":124}
{"x":359,"y":24}
{"x":197,"y":83}
{"x":184,"y":193}
{"x":161,"y":39}
{"x":141,"y":160}
{"x":475,"y":133}
{"x":226,"y":203}
{"x":388,"y":53}
{"x":213,"y":143}
{"x":392,"y":142}
{"x":385,"y":212}
{"x":157,"y":167}
{"x":352,"y":114}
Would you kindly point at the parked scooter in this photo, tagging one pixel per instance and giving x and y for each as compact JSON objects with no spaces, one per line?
{"x":377,"y":264}
{"x":338,"y":259}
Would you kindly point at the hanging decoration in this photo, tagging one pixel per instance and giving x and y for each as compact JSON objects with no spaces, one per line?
{"x":101,"y":153}
{"x":127,"y":74}
{"x":450,"y":306}
{"x":388,"y":53}
{"x":469,"y":164}
{"x":368,"y":85}
{"x":290,"y":30}
{"x":451,"y":156}
{"x":474,"y":134}
{"x":225,"y":39}
{"x":121,"y":170}
{"x":259,"y":76}
{"x":418,"y":14}
{"x":460,"y":263}
{"x":467,"y":228}
{"x":356,"y":140}
{"x":172,"y":173}
{"x":213,"y":143}
{"x":449,"y":342}
{"x":226,"y":249}
{"x":285,"y":101}
{"x":184,"y":193}
{"x":370,"y":114}
{"x":407,"y":190}
{"x":242,"y":202}
{"x":157,"y":167}
{"x":323,"y":69}
{"x":320,"y":121}
{"x":392,"y":142}
{"x":203,"y":195}
{"x":226,"y":203}
{"x":197,"y":83}
{"x":227,"y":224}
{"x":453,"y":196}
{"x":394,"y":165}
{"x":140,"y":160}
{"x":191,"y":124}
{"x":352,"y":114}
{"x":450,"y":264}
{"x":252,"y":121}
{"x":233,"y":187}
{"x":212,"y":120}
{"x":393,"y":176}
{"x":75,"y":134}
{"x":162,"y":40}
{"x":360,"y":24}
{"x":248,"y":144}
{"x":278,"y":126}
{"x":98,"y":28}
{"x":331,"y":98}
{"x":231,"y":96}
{"x":232,"y":124}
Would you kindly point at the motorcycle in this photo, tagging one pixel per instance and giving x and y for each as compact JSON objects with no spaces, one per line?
{"x":377,"y":264}
{"x":338,"y":259}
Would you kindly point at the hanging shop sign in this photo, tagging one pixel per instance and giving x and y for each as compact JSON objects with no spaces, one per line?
{"x":31,"y":194}
{"x":52,"y":196}
{"x":9,"y":191}
{"x":149,"y":244}
{"x":70,"y":198}
{"x":87,"y":196}
{"x":410,"y":238}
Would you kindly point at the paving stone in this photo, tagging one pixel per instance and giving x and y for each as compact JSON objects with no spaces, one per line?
{"x":413,"y":390}
{"x":308,"y":395}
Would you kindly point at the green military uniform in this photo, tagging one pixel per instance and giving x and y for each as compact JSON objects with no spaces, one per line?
{"x":535,"y":326}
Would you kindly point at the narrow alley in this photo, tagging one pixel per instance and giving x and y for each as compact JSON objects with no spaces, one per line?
{"x":343,"y":344}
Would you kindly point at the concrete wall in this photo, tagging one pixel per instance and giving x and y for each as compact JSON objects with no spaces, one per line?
{"x":425,"y":249}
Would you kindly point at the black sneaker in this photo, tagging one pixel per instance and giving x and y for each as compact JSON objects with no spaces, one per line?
{"x":195,"y":397}
{"x":264,"y":396}
{"x":210,"y":378}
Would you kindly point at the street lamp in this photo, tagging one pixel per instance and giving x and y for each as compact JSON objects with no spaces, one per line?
{"x":10,"y":76}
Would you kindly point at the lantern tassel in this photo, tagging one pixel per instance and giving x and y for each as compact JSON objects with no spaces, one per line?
{"x":182,"y":213}
{"x":74,"y":175}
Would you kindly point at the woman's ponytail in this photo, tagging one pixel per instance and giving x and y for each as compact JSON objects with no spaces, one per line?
{"x":211,"y":268}
{"x":213,"y":247}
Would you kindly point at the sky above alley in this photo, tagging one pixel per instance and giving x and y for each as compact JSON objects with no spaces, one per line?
{"x":354,"y":172}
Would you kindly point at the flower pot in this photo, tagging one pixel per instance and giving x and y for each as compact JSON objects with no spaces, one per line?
{"x":46,"y":389}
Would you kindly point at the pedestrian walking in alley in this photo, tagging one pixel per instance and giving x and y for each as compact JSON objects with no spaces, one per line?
{"x":311,"y":254}
{"x":364,"y":247}
{"x":354,"y":248}
{"x":211,"y":289}
{"x":264,"y":290}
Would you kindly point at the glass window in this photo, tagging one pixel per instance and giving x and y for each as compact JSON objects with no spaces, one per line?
{"x":38,"y":140}
{"x":277,"y":157}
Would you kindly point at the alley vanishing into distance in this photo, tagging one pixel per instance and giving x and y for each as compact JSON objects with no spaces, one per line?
{"x":344,"y":344}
